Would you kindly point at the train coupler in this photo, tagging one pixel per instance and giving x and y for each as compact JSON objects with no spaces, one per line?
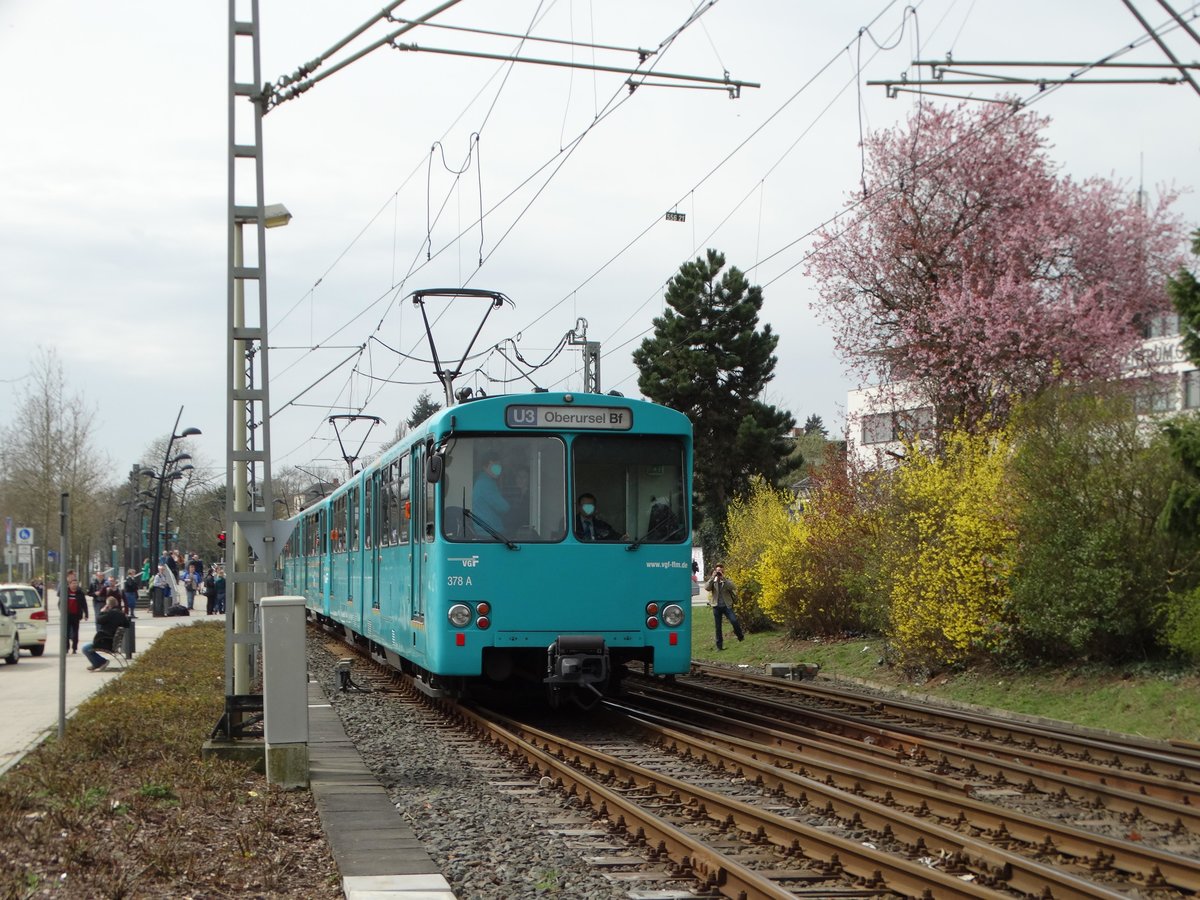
{"x":578,"y":661}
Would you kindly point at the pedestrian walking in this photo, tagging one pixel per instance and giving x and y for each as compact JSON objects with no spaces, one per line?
{"x":75,"y":604}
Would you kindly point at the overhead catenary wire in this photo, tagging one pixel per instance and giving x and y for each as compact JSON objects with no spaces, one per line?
{"x":662,"y":46}
{"x":1015,"y":108}
{"x":610,"y":108}
{"x":878,"y":196}
{"x":758,"y":262}
{"x":1162,"y":45}
{"x":697,"y":12}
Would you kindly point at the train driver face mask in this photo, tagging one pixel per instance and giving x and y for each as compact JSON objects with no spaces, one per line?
{"x":588,"y":508}
{"x":495,"y":469}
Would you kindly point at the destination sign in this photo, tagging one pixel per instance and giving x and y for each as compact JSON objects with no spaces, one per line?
{"x":604,"y":418}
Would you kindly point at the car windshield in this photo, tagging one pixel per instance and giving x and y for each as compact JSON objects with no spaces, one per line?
{"x":20,"y":598}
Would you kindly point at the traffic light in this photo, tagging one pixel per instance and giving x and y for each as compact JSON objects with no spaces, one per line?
{"x":221,"y":539}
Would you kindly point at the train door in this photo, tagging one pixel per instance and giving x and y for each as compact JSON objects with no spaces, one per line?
{"x":371,"y":548}
{"x":420,"y":516}
{"x":321,"y":545}
{"x":401,"y":574}
{"x":354,"y":561}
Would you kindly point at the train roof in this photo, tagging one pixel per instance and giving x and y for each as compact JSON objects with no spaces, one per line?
{"x":551,"y":411}
{"x":499,"y":413}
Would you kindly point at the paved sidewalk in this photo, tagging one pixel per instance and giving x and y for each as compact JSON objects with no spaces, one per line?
{"x":30,"y":688}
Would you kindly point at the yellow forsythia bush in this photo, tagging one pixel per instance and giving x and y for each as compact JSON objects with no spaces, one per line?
{"x":760,"y":536}
{"x":948,"y":550}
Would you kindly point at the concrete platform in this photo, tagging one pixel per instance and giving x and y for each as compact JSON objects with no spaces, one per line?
{"x":377,"y":853}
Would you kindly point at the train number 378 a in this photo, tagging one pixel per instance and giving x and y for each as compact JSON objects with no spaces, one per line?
{"x":458,"y":580}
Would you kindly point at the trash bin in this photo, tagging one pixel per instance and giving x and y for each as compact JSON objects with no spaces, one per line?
{"x":129,"y":646}
{"x":157,"y":600}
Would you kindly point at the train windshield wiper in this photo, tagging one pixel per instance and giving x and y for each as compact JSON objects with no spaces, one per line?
{"x":490,"y":530}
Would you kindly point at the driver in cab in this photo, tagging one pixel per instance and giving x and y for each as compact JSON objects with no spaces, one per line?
{"x":589,"y":526}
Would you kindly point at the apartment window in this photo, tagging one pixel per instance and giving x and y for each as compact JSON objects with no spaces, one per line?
{"x":1153,"y":395}
{"x":883,"y":428}
{"x":1191,"y":389}
{"x":1162,"y":325}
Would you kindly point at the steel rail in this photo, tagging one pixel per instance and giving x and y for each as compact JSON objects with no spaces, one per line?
{"x":800,"y":774}
{"x":913,"y":741}
{"x":880,"y":869}
{"x":1125,"y":750}
{"x":987,"y":761}
{"x":728,"y":876}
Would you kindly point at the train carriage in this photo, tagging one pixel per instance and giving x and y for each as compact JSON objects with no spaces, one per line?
{"x":464,"y":555}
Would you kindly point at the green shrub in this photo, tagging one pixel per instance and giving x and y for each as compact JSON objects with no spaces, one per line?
{"x":1092,"y":569}
{"x":1181,"y":626}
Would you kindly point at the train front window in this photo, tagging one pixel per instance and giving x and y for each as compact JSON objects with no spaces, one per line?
{"x":505,"y":487}
{"x":629,"y":488}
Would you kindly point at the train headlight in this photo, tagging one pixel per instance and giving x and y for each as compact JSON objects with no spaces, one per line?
{"x":460,"y":615}
{"x":672,"y":615}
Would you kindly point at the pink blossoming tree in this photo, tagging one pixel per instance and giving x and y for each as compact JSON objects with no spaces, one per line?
{"x":977,"y":274}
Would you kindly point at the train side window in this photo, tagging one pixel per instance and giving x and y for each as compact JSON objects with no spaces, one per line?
{"x":312,"y":540}
{"x":404,"y":498}
{"x":386,"y":482}
{"x":354,"y":513}
{"x":337,"y":527}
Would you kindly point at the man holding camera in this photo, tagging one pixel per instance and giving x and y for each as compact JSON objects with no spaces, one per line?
{"x":720,"y":597}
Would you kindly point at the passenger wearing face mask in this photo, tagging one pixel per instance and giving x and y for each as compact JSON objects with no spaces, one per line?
{"x":487,"y":502}
{"x":588,"y":526}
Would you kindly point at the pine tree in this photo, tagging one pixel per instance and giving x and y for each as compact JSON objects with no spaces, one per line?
{"x":814,"y":425}
{"x":708,"y":359}
{"x":422,"y":409}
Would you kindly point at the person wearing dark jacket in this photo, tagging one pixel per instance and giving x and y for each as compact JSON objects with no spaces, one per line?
{"x":96,"y":592}
{"x":74,"y":608}
{"x":107,"y":624}
{"x":133,"y":581}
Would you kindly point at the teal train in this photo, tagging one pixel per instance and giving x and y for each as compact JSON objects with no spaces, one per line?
{"x":539,"y":538}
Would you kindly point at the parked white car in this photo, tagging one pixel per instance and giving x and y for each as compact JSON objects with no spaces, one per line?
{"x":25,"y":601}
{"x":10,"y":640}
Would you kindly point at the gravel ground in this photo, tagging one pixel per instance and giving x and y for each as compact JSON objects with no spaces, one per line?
{"x":486,"y":843}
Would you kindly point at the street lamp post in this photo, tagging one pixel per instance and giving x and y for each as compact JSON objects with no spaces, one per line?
{"x":163,"y":476}
{"x":171,"y":478}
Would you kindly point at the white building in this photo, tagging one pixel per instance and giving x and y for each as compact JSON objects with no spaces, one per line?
{"x":878,"y":417}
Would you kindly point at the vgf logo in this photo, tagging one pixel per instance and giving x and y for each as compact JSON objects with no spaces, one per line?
{"x":469,"y":562}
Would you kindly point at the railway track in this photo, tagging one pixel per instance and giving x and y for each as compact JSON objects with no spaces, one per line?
{"x":701,"y":789}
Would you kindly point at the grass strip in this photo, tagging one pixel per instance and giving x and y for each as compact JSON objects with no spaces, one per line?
{"x":1159,"y":701}
{"x":125,"y":807}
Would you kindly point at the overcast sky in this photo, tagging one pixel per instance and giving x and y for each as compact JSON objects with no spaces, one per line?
{"x":113,"y":189}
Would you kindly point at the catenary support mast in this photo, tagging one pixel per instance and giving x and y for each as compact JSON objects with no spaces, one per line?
{"x":249,"y":502}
